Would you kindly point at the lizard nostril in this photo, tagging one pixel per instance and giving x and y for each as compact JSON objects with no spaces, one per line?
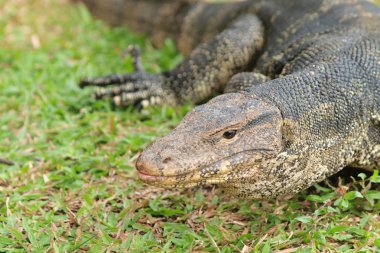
{"x":140,"y":164}
{"x":167,"y":159}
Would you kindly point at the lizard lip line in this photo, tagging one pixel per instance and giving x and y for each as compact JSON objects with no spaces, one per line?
{"x":150,"y":178}
{"x":157,"y":178}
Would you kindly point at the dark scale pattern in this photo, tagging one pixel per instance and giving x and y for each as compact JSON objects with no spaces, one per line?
{"x":302,"y":84}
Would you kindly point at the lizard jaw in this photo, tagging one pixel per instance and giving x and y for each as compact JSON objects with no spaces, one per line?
{"x":213,"y":173}
{"x":169,"y":181}
{"x":148,"y":178}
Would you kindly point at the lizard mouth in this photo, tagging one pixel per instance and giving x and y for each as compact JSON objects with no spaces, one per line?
{"x":153,"y":178}
{"x":148,"y":178}
{"x":163,"y":180}
{"x":212,"y":173}
{"x":176,"y":181}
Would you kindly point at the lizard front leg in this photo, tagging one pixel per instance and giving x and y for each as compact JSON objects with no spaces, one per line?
{"x":208,"y":68}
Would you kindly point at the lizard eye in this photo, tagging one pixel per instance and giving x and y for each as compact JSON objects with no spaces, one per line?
{"x":229,"y":134}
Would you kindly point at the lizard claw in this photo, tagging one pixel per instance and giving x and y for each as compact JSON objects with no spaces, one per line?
{"x":134,"y":51}
{"x":144,"y":92}
{"x":138,"y":88}
{"x":115,"y":79}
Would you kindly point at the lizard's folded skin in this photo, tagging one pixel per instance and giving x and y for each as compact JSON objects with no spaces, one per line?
{"x":302,"y":94}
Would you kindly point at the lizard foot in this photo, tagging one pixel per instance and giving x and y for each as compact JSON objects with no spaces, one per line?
{"x":139,"y":88}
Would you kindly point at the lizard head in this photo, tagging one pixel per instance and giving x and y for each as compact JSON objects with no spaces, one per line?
{"x":219,"y":142}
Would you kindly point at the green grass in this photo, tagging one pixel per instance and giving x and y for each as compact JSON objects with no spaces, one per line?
{"x":73,"y":187}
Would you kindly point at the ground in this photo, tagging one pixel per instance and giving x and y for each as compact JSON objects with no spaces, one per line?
{"x":73,"y":186}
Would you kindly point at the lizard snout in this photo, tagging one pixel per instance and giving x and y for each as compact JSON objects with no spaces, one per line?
{"x":150,"y":165}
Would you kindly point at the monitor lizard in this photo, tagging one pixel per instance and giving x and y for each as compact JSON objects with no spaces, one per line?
{"x":301,"y":84}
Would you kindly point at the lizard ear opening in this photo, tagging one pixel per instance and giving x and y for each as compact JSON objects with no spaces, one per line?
{"x":289,"y":135}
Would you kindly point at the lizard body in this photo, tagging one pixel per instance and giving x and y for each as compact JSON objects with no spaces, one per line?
{"x":302,"y":94}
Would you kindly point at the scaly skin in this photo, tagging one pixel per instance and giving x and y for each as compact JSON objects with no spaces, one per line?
{"x":309,"y":108}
